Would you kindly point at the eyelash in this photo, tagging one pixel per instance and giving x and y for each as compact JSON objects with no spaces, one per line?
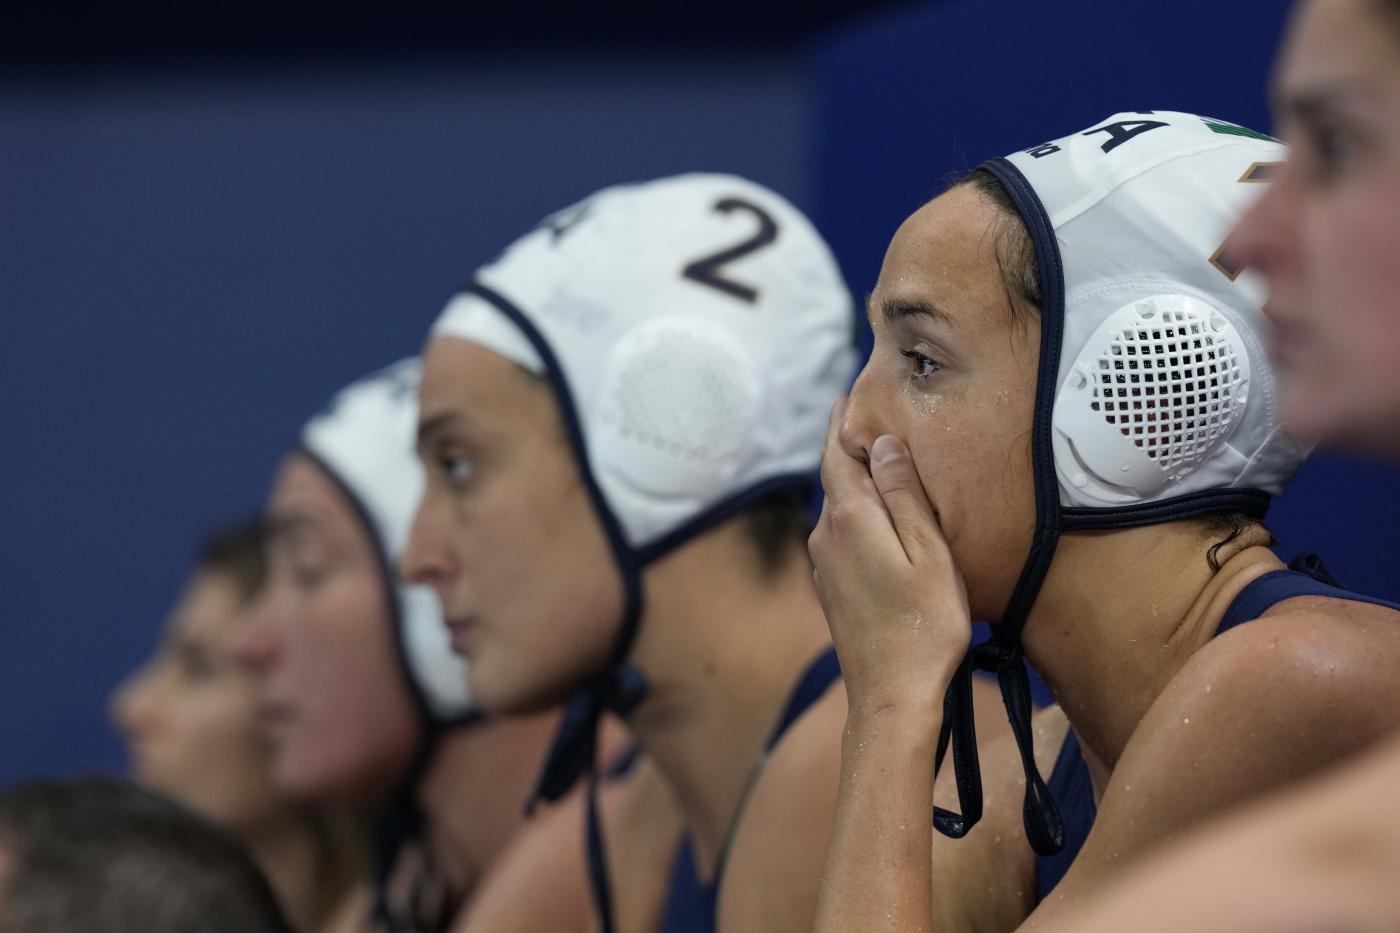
{"x":919,"y":361}
{"x":1323,"y":145}
{"x":449,"y":463}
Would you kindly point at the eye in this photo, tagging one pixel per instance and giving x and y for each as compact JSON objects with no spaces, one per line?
{"x":457,"y":469}
{"x":1333,"y":151}
{"x":922,"y":367}
{"x":194,"y":664}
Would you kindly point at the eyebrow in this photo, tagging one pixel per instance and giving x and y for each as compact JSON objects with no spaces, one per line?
{"x":897,"y":309}
{"x":435,"y":424}
{"x":1309,"y":104}
{"x":276,"y":527}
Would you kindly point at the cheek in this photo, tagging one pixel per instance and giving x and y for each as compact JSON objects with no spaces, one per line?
{"x":1352,"y":300}
{"x":225,"y":755}
{"x":1352,"y":260}
{"x":974,"y":462}
{"x":545,"y":588}
{"x":355,"y":724}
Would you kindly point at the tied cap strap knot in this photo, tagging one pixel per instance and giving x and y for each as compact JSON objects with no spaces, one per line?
{"x":1044,"y":827}
{"x":573,"y":752}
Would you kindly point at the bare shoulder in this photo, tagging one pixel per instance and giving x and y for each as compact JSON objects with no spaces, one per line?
{"x":541,"y":881}
{"x":774,"y":868}
{"x":546,"y":855}
{"x":1260,"y":707}
{"x":1321,"y":668}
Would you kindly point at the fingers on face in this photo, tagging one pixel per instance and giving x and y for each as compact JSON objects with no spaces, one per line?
{"x":902,"y":492}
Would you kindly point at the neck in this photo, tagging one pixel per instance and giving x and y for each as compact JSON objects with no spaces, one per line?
{"x":473,"y":793}
{"x":1120,"y":614}
{"x":288,"y":853}
{"x":721,"y":649}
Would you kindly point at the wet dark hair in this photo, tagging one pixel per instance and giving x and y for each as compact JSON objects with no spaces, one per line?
{"x":235,"y":551}
{"x":1020,"y":272}
{"x":777,"y":527}
{"x":96,"y":855}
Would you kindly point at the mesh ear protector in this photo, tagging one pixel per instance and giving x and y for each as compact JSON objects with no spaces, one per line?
{"x":1155,"y":393}
{"x":1154,"y":399}
{"x":364,"y":443}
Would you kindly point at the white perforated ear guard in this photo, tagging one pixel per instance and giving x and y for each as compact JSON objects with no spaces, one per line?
{"x":364,"y":441}
{"x":1177,"y":182}
{"x":1154,"y":399}
{"x":1152,"y":402}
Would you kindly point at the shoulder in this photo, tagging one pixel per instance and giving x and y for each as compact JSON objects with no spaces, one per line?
{"x":547,"y":854}
{"x":774,"y":869}
{"x":1262,"y":706}
{"x":1316,"y":662}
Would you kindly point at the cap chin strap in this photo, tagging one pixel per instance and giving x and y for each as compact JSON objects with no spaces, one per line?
{"x":1002,"y":654}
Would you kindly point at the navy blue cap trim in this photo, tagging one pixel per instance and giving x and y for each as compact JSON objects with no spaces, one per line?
{"x":1052,"y":316}
{"x":1252,"y":502}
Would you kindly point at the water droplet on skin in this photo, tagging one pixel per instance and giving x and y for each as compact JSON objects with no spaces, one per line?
{"x":1186,"y":721}
{"x":997,"y":839}
{"x":1208,"y":688}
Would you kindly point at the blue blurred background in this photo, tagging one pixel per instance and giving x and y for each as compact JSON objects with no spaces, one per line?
{"x":209,"y":222}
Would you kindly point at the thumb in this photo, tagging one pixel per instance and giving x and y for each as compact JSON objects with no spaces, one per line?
{"x":892,"y":469}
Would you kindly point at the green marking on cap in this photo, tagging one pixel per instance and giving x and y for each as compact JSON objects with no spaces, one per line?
{"x":1230,"y":129}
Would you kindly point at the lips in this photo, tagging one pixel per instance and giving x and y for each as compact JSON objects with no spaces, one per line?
{"x":275,"y":715}
{"x":460,"y":628}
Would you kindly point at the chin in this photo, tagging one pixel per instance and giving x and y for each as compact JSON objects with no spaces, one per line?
{"x":506,"y":695}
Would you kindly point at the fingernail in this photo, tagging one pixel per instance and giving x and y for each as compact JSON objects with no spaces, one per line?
{"x":885,"y":449}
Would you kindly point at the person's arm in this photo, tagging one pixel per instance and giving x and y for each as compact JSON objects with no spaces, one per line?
{"x":898,"y":615}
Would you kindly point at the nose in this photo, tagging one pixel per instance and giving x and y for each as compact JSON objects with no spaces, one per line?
{"x":134,"y":702}
{"x":258,"y":643}
{"x":427,"y":560}
{"x":1263,"y":238}
{"x":859,"y":425}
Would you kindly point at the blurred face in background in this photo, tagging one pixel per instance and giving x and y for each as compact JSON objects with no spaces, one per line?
{"x":506,"y":533}
{"x":189,"y":716}
{"x":1326,"y":234}
{"x":335,"y":701}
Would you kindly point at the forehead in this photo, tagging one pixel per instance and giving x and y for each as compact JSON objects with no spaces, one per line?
{"x":947,"y":252}
{"x":482,"y":390}
{"x":1339,"y":40}
{"x":304,"y":499}
{"x":205,"y":608}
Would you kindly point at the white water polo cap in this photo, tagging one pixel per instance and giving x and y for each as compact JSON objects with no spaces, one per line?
{"x":697,"y":331}
{"x":1155,"y":400}
{"x":364,"y":441}
{"x":1163,"y":387}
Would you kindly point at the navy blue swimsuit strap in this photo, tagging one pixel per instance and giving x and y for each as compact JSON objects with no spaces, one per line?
{"x":1263,"y":593}
{"x":820,"y":674}
{"x":691,"y":905}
